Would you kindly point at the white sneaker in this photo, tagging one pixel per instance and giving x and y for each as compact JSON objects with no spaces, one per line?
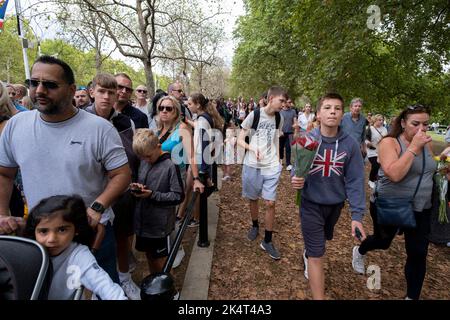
{"x":131,"y":290}
{"x":358,"y":261}
{"x":176,"y":296}
{"x":371,"y":184}
{"x":178,"y":258}
{"x":289,"y":168}
{"x":305,"y":262}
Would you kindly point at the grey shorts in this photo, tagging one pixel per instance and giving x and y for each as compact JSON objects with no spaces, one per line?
{"x":257,"y":184}
{"x":318,"y":221}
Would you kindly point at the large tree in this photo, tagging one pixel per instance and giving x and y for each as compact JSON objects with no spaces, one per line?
{"x":390,"y":58}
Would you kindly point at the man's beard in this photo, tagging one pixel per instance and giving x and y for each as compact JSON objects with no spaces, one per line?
{"x":50,"y":109}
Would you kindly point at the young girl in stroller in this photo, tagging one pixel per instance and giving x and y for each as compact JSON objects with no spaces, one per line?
{"x":59,"y":223}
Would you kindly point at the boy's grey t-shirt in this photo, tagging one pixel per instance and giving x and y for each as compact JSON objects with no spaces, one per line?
{"x":288,"y":115}
{"x":63,"y":158}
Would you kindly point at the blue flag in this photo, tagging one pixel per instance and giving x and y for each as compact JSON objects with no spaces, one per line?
{"x":3,"y":5}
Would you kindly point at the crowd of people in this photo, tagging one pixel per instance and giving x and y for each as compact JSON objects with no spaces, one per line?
{"x":85,"y":159}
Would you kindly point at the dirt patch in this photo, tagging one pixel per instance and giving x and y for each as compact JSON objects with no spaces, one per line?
{"x":241,"y":270}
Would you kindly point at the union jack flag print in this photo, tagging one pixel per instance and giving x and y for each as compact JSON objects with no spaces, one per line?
{"x":324,"y":163}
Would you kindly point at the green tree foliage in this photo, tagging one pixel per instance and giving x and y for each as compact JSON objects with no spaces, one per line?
{"x":11,"y":58}
{"x":311,"y":47}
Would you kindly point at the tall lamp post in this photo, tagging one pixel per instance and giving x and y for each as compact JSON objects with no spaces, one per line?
{"x":22,"y":37}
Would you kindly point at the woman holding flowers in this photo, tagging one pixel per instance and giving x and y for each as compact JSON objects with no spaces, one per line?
{"x":401,"y":156}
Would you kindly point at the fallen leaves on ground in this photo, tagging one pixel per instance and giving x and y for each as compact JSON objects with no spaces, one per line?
{"x":242,"y":270}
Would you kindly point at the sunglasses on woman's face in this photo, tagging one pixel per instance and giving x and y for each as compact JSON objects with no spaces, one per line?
{"x":168,"y":108}
{"x":141,"y":91}
{"x":49,"y":85}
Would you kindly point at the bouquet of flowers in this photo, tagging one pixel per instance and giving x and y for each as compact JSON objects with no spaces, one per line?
{"x":442,"y":183}
{"x":305,"y":148}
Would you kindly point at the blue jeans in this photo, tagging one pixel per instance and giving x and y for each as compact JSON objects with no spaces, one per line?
{"x":106,"y":255}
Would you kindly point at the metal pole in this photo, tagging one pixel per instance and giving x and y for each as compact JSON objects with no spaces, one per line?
{"x":22,"y":37}
{"x":203,"y":241}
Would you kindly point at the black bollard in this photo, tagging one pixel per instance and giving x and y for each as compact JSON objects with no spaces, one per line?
{"x":214,"y":176}
{"x":203,"y":241}
{"x":161,"y":286}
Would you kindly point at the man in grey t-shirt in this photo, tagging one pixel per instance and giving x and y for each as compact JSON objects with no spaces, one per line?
{"x":290,"y":116}
{"x":62,"y":150}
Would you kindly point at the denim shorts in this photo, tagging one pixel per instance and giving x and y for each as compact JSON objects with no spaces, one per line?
{"x":260,"y":183}
{"x":317,"y":223}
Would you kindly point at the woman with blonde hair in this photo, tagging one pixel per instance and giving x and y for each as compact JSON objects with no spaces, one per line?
{"x":7,"y":109}
{"x":176,"y":138}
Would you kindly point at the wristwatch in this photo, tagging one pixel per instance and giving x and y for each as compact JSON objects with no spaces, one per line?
{"x":97,"y":206}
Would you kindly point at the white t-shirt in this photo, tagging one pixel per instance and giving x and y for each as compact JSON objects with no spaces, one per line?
{"x":62,"y":158}
{"x":304,"y":120}
{"x":143,"y":109}
{"x":266,"y":139}
{"x":200,"y":123}
{"x":377,"y":134}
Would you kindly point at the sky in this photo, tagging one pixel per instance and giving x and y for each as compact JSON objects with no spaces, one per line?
{"x":234,"y":8}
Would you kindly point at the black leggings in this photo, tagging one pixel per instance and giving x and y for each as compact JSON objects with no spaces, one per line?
{"x":285,"y":143}
{"x":375,"y":166}
{"x":416,"y":244}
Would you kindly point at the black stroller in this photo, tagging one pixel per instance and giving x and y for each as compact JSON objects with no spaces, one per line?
{"x":24,"y":269}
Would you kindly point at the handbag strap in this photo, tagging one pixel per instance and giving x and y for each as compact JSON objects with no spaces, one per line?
{"x":421,"y":175}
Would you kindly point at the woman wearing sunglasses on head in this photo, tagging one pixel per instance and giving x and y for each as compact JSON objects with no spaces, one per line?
{"x":176,"y":138}
{"x":407,"y":169}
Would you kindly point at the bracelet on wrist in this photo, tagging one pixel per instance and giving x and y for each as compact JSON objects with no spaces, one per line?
{"x":414,"y":154}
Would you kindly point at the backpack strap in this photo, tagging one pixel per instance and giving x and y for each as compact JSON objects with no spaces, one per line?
{"x":277,"y":120}
{"x":208,"y":118}
{"x":256,"y":115}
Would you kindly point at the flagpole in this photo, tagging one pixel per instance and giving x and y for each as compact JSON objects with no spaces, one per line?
{"x":22,"y":37}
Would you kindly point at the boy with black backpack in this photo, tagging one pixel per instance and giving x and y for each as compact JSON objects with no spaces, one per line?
{"x":262,"y":168}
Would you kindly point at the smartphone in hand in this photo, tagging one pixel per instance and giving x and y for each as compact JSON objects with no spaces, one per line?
{"x":358,"y":234}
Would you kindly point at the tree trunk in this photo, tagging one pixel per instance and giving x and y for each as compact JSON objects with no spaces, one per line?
{"x":200,"y":78}
{"x":98,"y":60}
{"x":149,"y":77}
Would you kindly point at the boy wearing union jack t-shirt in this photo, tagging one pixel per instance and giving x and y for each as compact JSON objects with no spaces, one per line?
{"x":337,"y":174}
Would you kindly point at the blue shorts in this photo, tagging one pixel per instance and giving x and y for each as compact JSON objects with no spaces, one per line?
{"x":255,"y":183}
{"x":318,"y":221}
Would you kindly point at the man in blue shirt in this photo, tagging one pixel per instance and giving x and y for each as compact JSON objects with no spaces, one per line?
{"x":354,"y":124}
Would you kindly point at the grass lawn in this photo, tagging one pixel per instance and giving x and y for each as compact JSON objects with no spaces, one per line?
{"x":436,"y":137}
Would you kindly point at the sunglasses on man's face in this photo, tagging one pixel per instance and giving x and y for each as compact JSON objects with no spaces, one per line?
{"x":127,"y":89}
{"x":179,"y":90}
{"x":49,"y":85}
{"x":168,"y":108}
{"x":141,"y":91}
